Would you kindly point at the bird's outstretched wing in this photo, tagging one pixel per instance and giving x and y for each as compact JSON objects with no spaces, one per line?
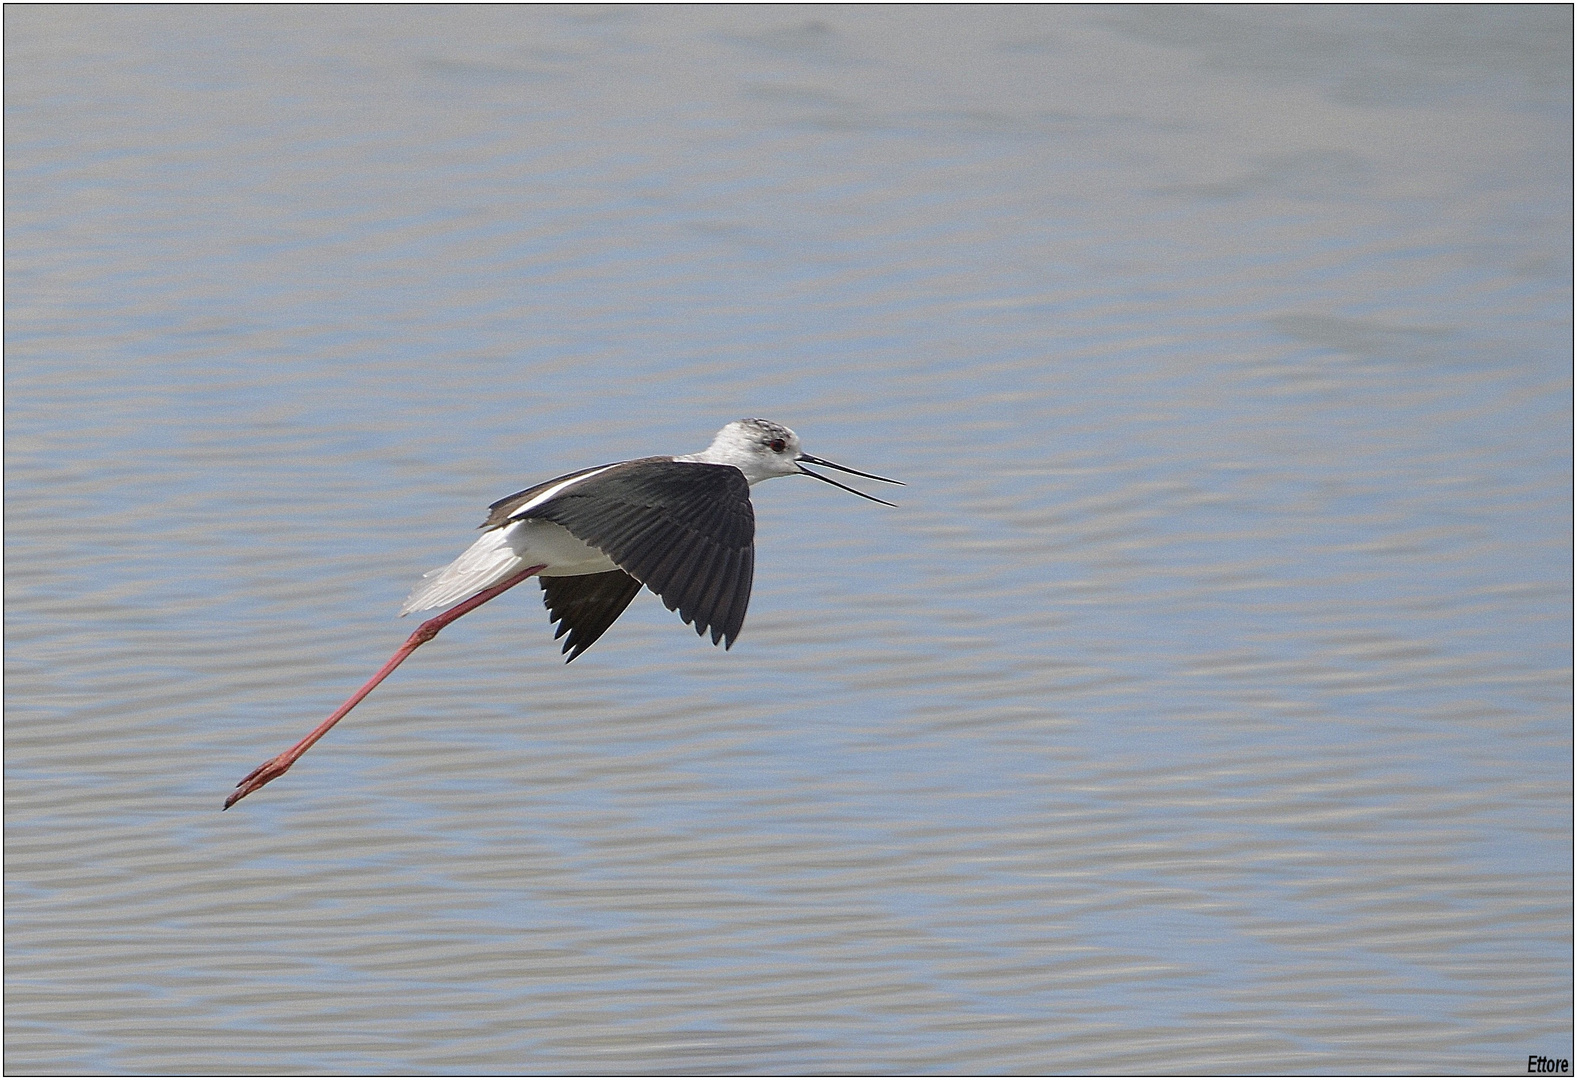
{"x":586,"y":605}
{"x":684,"y":529}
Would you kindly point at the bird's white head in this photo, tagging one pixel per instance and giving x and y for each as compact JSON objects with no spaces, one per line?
{"x":758,"y":448}
{"x":761,"y":450}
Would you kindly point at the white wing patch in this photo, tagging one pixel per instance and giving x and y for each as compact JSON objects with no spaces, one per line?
{"x":521,"y":511}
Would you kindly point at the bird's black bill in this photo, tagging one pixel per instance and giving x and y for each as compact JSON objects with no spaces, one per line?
{"x":824,"y":463}
{"x":846,"y":487}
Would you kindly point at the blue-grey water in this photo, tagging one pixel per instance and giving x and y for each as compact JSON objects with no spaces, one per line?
{"x":1205,"y":706}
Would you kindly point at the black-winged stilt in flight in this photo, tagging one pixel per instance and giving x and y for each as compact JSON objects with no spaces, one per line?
{"x":681,"y":526}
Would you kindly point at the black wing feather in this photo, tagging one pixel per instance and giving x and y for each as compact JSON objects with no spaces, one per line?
{"x":743,"y":574}
{"x":586,"y":605}
{"x":676,"y":526}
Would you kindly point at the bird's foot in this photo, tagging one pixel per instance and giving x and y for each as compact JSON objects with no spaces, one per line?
{"x":272,"y":769}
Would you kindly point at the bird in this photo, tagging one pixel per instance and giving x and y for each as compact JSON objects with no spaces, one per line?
{"x":681,"y":526}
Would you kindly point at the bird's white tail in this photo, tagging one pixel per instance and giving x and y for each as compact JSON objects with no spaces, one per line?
{"x":484,"y":564}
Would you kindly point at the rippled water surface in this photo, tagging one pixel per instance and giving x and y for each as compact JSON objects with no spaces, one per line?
{"x":1206,"y":705}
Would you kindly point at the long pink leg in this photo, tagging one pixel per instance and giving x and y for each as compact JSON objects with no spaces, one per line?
{"x":274,"y":768}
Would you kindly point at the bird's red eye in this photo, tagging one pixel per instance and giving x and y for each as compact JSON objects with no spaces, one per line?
{"x":778,"y":446}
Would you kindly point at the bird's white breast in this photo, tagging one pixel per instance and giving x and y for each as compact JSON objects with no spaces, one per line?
{"x":499,"y":553}
{"x":537,"y":541}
